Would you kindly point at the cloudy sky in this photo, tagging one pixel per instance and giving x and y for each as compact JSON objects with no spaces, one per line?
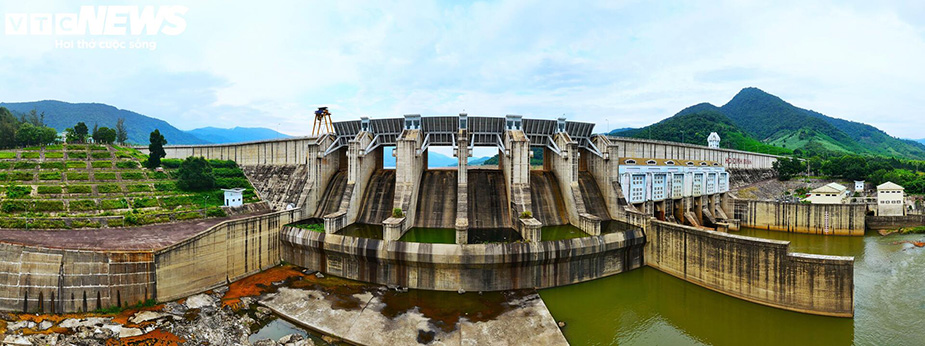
{"x":616,"y":63}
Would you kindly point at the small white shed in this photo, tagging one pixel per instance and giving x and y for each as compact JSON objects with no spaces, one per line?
{"x":234,"y":197}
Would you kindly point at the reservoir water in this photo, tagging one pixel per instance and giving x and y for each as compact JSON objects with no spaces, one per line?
{"x":648,"y":307}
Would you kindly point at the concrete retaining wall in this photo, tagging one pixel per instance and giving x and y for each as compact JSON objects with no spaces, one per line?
{"x":731,"y":159}
{"x":221,"y":254}
{"x":837,"y":219}
{"x":894,"y":222}
{"x":276,"y":152}
{"x":473,"y":267}
{"x":36,"y":279}
{"x":758,"y":270}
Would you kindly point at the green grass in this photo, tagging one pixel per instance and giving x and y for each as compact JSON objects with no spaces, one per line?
{"x":12,"y":223}
{"x":72,"y":176}
{"x":101,"y":164}
{"x":47,"y":224}
{"x":175,"y":201}
{"x":54,"y":147}
{"x":76,"y":164}
{"x":42,"y":206}
{"x":104,"y":176}
{"x":76,"y":155}
{"x":144,"y":202}
{"x":97,"y":147}
{"x":108,"y":204}
{"x":108,"y":188}
{"x":316,"y":227}
{"x":5,"y":165}
{"x":83,"y":205}
{"x":165,"y":186}
{"x":159,"y":175}
{"x":21,"y":176}
{"x":188,"y":216}
{"x":85,"y":224}
{"x":52,"y":165}
{"x":79,"y":189}
{"x":10,"y":206}
{"x":127,"y":164}
{"x":54,"y":155}
{"x":30,"y":155}
{"x":18,"y":191}
{"x":101,"y":155}
{"x":49,"y":175}
{"x":25,"y":165}
{"x":4,"y":176}
{"x":133,"y":176}
{"x":49,"y":189}
{"x":139,"y":188}
{"x":7,"y":155}
{"x":115,"y":223}
{"x":76,"y":147}
{"x":33,"y":148}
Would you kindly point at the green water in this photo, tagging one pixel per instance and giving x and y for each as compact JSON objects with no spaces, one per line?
{"x":430,"y":235}
{"x":486,"y":236}
{"x":561,"y":232}
{"x":648,"y":307}
{"x":362,"y":231}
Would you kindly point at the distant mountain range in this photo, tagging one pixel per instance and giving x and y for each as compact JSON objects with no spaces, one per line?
{"x":758,"y":121}
{"x":62,"y":115}
{"x":237,"y":134}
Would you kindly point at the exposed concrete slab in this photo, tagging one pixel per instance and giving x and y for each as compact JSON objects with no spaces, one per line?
{"x":526,"y":320}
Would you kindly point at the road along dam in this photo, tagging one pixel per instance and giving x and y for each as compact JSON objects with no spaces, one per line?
{"x":596,"y":206}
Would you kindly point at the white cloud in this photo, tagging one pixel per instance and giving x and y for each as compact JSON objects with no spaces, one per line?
{"x":629,"y":63}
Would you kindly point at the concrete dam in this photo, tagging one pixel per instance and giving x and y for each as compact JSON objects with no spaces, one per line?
{"x":631,"y":202}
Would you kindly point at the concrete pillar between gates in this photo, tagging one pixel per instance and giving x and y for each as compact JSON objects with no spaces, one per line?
{"x":565,"y":166}
{"x":320,"y":169}
{"x":515,"y":163}
{"x":462,"y":191}
{"x":409,"y":166}
{"x":605,"y":171}
{"x":360,"y":167}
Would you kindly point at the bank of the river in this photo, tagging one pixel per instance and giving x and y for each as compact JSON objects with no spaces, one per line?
{"x":645,"y":306}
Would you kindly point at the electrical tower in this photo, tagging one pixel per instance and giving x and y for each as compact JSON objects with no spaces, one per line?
{"x":323,"y":122}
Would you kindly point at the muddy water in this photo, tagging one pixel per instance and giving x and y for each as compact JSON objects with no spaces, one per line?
{"x":647,"y":307}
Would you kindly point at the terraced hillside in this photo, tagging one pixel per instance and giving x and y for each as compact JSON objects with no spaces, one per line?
{"x":80,"y":185}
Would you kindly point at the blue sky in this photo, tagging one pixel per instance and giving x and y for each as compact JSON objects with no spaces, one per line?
{"x":616,"y":63}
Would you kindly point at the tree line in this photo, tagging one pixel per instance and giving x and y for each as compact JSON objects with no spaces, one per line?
{"x":872,"y":169}
{"x":30,"y":130}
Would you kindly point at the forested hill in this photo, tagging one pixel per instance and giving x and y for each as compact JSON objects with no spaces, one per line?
{"x":61,"y":115}
{"x":694,"y":124}
{"x":774,"y":121}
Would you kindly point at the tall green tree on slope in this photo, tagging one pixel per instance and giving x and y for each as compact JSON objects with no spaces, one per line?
{"x":156,"y":149}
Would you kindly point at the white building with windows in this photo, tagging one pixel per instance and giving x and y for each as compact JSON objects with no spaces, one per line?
{"x":646,"y":180}
{"x":234,"y":197}
{"x":890,"y":199}
{"x":713,"y":140}
{"x":832,"y":193}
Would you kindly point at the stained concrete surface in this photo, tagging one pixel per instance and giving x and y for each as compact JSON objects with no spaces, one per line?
{"x":373,"y":316}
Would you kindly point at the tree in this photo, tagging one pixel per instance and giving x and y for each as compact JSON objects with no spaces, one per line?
{"x":96,"y":127}
{"x":786,"y":168}
{"x":121,"y":132}
{"x":195,"y":174}
{"x":104,"y":135}
{"x":156,"y":149}
{"x":8,"y":126}
{"x":80,"y":131}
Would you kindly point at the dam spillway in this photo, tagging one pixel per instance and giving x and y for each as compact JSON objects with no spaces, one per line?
{"x":333,"y":195}
{"x":546,"y":195}
{"x":488,"y":204}
{"x":377,"y":200}
{"x":437,"y":200}
{"x":592,"y":196}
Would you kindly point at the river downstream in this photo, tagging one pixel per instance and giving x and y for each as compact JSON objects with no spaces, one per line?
{"x":645,"y":306}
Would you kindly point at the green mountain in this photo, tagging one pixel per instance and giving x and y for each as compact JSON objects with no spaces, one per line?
{"x":694,"y":124}
{"x":237,"y":134}
{"x":62,"y":115}
{"x":774,"y":121}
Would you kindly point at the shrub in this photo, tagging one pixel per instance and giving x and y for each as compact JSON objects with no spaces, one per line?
{"x":25,"y":165}
{"x":22,"y":176}
{"x":127,"y":164}
{"x":108,"y":188}
{"x":107,"y":204}
{"x":397,"y":213}
{"x":104,"y":176}
{"x":49,"y":189}
{"x":47,"y":224}
{"x":171,"y":163}
{"x":215,"y":212}
{"x":101,"y":164}
{"x":15,"y":206}
{"x":174,"y":201}
{"x":223,"y":163}
{"x":4,"y":176}
{"x":76,"y":164}
{"x":230,"y":183}
{"x":76,"y":155}
{"x":54,"y":155}
{"x":97,"y":147}
{"x":85,"y":224}
{"x":49,"y":175}
{"x":18,"y":191}
{"x":139,"y":188}
{"x":5,"y":165}
{"x":52,"y":165}
{"x":84,"y":204}
{"x":115,"y":222}
{"x":316,"y":227}
{"x":79,"y":189}
{"x":101,"y":155}
{"x":166,"y":186}
{"x":30,"y":155}
{"x":526,"y":214}
{"x":48,"y":206}
{"x":195,"y":174}
{"x":144,"y":202}
{"x":227,"y":172}
{"x":12,"y":223}
{"x":7,"y":155}
{"x":133,"y":176}
{"x":77,"y":176}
